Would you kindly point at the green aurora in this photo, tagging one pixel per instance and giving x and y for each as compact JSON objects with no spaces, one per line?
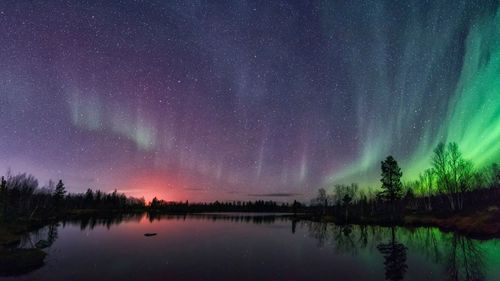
{"x":472,"y":118}
{"x":474,"y":113}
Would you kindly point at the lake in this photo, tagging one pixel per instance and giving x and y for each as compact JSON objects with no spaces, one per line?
{"x":255,"y":247}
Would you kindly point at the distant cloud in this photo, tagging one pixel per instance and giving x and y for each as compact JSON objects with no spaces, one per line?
{"x":274,"y":194}
{"x":194,"y":189}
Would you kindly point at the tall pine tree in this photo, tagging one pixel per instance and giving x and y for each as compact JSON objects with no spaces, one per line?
{"x":59,"y":193}
{"x":392,"y":188}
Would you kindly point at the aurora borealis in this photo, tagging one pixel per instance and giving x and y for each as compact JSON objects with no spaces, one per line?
{"x":205,"y":100}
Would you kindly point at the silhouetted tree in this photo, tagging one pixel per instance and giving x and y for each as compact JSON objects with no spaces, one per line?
{"x":440,"y":166}
{"x":426,"y":181}
{"x":59,"y":193}
{"x":345,"y":196}
{"x":296,"y":206}
{"x":321,"y":200}
{"x":3,"y":185}
{"x":461,"y":173}
{"x":391,"y":181}
{"x":3,"y":197}
{"x":154,"y":203}
{"x":89,"y":198}
{"x":454,"y":174}
{"x":20,"y":190}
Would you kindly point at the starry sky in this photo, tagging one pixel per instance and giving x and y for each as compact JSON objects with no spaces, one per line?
{"x":204,"y":100}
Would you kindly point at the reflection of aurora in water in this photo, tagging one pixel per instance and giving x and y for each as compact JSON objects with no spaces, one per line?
{"x":460,"y":258}
{"x":413,"y":253}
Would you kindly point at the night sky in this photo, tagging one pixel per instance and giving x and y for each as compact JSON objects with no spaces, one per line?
{"x":206,"y":100}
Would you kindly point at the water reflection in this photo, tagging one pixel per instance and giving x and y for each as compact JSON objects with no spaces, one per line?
{"x":91,"y":221}
{"x":231,"y":217}
{"x":393,"y":250}
{"x":394,"y":258}
{"x":24,"y":255}
{"x":465,"y":260}
{"x":461,"y":257}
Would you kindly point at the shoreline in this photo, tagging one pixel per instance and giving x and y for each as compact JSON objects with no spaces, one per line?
{"x":481,"y":224}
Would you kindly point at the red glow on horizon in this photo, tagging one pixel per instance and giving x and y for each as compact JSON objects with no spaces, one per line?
{"x":174,"y":186}
{"x":150,"y":184}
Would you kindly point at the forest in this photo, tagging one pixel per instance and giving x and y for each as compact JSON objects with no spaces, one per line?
{"x":22,"y":199}
{"x":452,"y":187}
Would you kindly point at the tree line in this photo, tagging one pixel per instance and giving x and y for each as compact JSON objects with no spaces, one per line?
{"x":227,"y":206}
{"x":451,"y":184}
{"x":21,"y":198}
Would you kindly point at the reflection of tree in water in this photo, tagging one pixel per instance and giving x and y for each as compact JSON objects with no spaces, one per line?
{"x":345,"y":238}
{"x":319,"y":231}
{"x":465,"y":260}
{"x":90,"y":221}
{"x":395,"y":258}
{"x":345,"y":241}
{"x":23,"y":256}
{"x":232,"y":217}
{"x":461,"y":258}
{"x":112,"y":219}
{"x":52,"y":233}
{"x":428,"y":241}
{"x":363,"y":236}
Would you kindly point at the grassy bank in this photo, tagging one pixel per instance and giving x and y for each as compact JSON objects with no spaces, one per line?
{"x":483,"y":223}
{"x":480,"y":224}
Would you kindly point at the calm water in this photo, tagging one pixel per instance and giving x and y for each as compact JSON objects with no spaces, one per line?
{"x":236,"y":247}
